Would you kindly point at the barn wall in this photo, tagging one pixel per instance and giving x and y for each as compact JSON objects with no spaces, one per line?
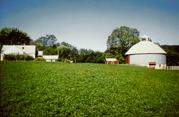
{"x":127,"y":59}
{"x":144,"y":59}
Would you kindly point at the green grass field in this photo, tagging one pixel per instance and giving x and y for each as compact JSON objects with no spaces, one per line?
{"x":59,"y":89}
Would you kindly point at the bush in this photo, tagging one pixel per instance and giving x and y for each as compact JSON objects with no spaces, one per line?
{"x":27,"y":57}
{"x":10,"y":57}
{"x":18,"y":57}
{"x":39,"y":59}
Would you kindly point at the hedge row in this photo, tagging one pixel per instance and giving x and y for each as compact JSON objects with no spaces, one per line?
{"x":18,"y":57}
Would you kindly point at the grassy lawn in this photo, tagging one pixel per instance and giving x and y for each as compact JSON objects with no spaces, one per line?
{"x":58,"y":89}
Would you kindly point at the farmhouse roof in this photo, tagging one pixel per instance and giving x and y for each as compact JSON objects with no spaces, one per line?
{"x":145,"y":47}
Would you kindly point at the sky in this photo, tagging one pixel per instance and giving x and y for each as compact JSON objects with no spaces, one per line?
{"x":88,"y":23}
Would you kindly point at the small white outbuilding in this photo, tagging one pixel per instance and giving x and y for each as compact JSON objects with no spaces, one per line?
{"x":50,"y":58}
{"x":146,"y":53}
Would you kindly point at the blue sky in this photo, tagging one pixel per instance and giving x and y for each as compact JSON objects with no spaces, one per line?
{"x":88,"y":23}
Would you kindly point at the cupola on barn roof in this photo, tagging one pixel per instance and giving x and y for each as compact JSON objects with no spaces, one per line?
{"x":145,"y":46}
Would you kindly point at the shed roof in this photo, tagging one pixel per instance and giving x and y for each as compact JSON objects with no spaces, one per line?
{"x":111,"y":59}
{"x":50,"y":57}
{"x":145,"y":47}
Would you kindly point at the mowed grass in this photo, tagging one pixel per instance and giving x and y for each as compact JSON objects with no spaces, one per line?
{"x":59,"y":89}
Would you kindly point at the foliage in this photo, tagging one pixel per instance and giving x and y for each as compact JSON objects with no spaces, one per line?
{"x":39,"y":59}
{"x":99,"y":57}
{"x":57,"y":89}
{"x":120,"y":57}
{"x":67,"y":51}
{"x":27,"y":57}
{"x":18,"y":57}
{"x":48,"y":40}
{"x":64,"y":52}
{"x":49,"y":45}
{"x":123,"y":37}
{"x":50,"y":51}
{"x":117,"y":53}
{"x":172,"y":58}
{"x":172,"y":54}
{"x":47,"y":50}
{"x":90,"y":56}
{"x":13,"y":36}
{"x":68,"y":45}
{"x":10,"y":57}
{"x":86,"y":55}
{"x":120,"y":40}
{"x":108,"y":55}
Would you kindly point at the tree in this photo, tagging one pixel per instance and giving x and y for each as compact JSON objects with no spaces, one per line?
{"x":48,"y":44}
{"x":117,"y":52}
{"x":172,"y":54}
{"x":50,"y":50}
{"x":123,"y":37}
{"x":63,"y":52}
{"x":71,"y":47}
{"x":13,"y":36}
{"x":86,"y":55}
{"x":120,"y":40}
{"x":99,"y":57}
{"x":48,"y":40}
{"x":67,"y":51}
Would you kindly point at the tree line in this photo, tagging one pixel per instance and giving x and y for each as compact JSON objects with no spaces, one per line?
{"x":120,"y":40}
{"x":172,"y":54}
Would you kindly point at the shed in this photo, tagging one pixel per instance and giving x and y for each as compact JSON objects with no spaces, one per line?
{"x":111,"y":61}
{"x":40,"y":53}
{"x":50,"y":58}
{"x":146,"y":53}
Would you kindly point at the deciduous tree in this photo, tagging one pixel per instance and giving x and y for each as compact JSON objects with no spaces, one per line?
{"x":13,"y":36}
{"x":48,"y":40}
{"x":123,"y":37}
{"x":120,"y":40}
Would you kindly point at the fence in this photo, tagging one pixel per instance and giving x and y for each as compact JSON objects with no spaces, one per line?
{"x":173,"y":67}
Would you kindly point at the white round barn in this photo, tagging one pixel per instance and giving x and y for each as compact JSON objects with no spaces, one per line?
{"x":146,"y":53}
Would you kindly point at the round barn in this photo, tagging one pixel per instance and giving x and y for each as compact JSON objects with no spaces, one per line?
{"x":146,"y":53}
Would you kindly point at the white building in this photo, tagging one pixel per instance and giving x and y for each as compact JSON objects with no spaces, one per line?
{"x":18,"y":49}
{"x":50,"y":58}
{"x":40,"y":53}
{"x":111,"y":61}
{"x":146,"y":53}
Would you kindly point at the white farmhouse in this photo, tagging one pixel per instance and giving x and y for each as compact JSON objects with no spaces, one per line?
{"x":18,"y":50}
{"x":146,"y":53}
